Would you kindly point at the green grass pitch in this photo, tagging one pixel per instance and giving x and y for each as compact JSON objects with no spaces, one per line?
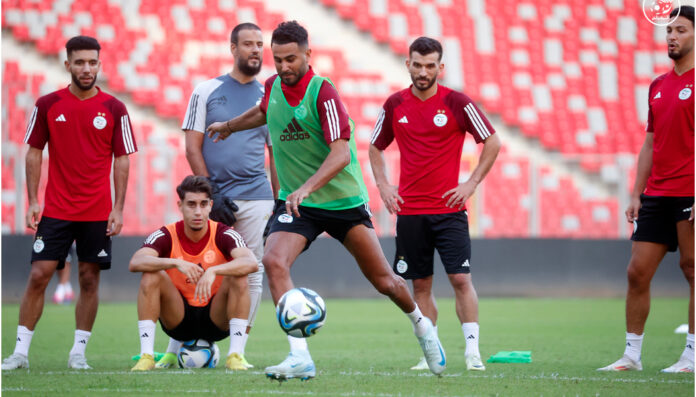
{"x":366,"y":348}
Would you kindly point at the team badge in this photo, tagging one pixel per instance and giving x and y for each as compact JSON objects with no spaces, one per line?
{"x":401,"y":266}
{"x":685,"y":93}
{"x":440,"y":118}
{"x":209,"y":256}
{"x":285,"y":218}
{"x":300,"y":112}
{"x":658,"y":11}
{"x":99,"y":122}
{"x":38,"y":245}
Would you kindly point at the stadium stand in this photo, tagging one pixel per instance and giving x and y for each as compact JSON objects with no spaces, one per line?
{"x":568,"y":75}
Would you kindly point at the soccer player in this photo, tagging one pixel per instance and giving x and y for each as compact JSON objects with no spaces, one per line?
{"x":85,"y":129}
{"x":242,"y":196}
{"x":321,"y":189}
{"x":430,"y":122}
{"x":661,"y":206}
{"x":194,"y":278}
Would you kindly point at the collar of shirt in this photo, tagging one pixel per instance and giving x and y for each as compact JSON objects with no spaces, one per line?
{"x":295,"y":93}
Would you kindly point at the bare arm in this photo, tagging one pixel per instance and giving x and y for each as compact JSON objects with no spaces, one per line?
{"x":389,"y":193}
{"x":642,"y":174}
{"x":146,"y":259}
{"x":252,"y":118}
{"x":338,"y":159}
{"x":115,"y":221}
{"x":275,"y":184}
{"x":33,"y":174}
{"x":194,"y":152}
{"x":459,"y":195}
{"x":242,"y":264}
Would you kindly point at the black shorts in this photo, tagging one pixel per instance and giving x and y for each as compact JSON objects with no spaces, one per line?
{"x":417,"y":237}
{"x":55,"y":236}
{"x":196,"y":325}
{"x":658,"y":217}
{"x":314,"y":221}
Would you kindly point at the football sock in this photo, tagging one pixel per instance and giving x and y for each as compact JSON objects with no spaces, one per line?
{"x":237,"y":332}
{"x":297,"y":343}
{"x":67,"y":288}
{"x":147,"y":337}
{"x":689,"y":348}
{"x":246,"y":337}
{"x":174,"y":346}
{"x":255,"y":292}
{"x":80,"y":344}
{"x":23,"y":340}
{"x":634,"y":344}
{"x":419,"y":327}
{"x":471,"y":337}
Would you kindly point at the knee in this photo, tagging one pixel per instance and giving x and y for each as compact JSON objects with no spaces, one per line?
{"x":274,"y":265}
{"x":150,"y":281}
{"x":637,"y":279}
{"x":461,"y":282}
{"x":388,"y":285}
{"x":239,"y":285}
{"x":687,"y":266}
{"x":39,"y":277}
{"x":89,"y":281}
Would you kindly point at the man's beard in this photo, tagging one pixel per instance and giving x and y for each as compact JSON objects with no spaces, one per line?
{"x":79,"y":85}
{"x":427,"y":87}
{"x":679,"y":54}
{"x":249,"y":70}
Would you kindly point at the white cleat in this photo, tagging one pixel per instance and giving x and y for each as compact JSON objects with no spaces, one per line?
{"x":683,"y":365}
{"x":298,"y":364}
{"x":432,"y":349}
{"x":78,"y":361}
{"x":623,"y":364}
{"x":15,"y":361}
{"x":421,"y":366}
{"x":473,"y":363}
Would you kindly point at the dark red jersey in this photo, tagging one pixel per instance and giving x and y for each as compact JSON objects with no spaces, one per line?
{"x":430,"y":135}
{"x":83,"y":136}
{"x":671,"y":119}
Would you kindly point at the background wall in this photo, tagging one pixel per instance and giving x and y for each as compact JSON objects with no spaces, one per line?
{"x":501,"y":267}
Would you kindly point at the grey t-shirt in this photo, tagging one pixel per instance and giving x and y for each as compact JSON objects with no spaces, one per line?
{"x":237,"y":163}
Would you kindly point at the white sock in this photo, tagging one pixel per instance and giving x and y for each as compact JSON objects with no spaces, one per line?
{"x":419,"y":326}
{"x":67,"y":288}
{"x":689,"y":348}
{"x":246,"y":338}
{"x":297,"y":344}
{"x":634,"y":343}
{"x":435,"y":328}
{"x":174,"y":346}
{"x":80,"y":344}
{"x":23,"y":340}
{"x":147,"y":337}
{"x":60,"y":290}
{"x":471,"y":337}
{"x":237,"y":332}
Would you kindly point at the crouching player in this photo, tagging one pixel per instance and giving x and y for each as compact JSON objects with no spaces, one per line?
{"x":194,"y":279}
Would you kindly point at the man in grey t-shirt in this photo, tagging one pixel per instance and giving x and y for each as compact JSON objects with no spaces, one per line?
{"x":242,"y":195}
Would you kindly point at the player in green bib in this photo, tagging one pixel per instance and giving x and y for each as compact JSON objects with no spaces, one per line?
{"x":321,"y":189}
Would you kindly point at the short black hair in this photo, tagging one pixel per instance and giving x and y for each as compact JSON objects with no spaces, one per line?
{"x":290,"y":32}
{"x":194,"y":184}
{"x":82,"y":43}
{"x":683,"y":11}
{"x":234,"y":37}
{"x":425,"y":46}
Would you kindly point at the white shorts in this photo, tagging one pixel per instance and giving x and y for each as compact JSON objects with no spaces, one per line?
{"x":251,"y":222}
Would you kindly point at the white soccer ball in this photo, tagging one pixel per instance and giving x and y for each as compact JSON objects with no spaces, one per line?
{"x":198,"y":353}
{"x":301,"y":312}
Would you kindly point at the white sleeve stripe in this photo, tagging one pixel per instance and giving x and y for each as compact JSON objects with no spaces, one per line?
{"x":378,"y":127}
{"x":190,"y":121}
{"x":337,"y":124}
{"x":30,"y":126}
{"x":153,"y":237}
{"x":237,"y":238}
{"x":477,"y":122}
{"x":330,"y":119}
{"x":127,"y":135}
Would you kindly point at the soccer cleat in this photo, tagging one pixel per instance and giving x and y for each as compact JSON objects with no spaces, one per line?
{"x":234,"y":362}
{"x":246,"y":363}
{"x":473,"y":363}
{"x":432,"y":349}
{"x":146,"y":363}
{"x":168,"y":360}
{"x":298,"y":364}
{"x":58,"y":297}
{"x":683,"y":365}
{"x":421,"y":366}
{"x":623,"y":364}
{"x":78,"y":361}
{"x":15,"y":361}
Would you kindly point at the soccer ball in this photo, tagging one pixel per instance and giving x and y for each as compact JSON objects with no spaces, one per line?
{"x":198,"y":353}
{"x":301,"y":312}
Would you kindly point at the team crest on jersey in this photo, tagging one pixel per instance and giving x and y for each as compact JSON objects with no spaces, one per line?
{"x":300,"y":112}
{"x":285,"y":218}
{"x":209,"y":256}
{"x":440,"y":118}
{"x":685,"y":93}
{"x":38,"y":245}
{"x":99,"y":122}
{"x":401,"y":266}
